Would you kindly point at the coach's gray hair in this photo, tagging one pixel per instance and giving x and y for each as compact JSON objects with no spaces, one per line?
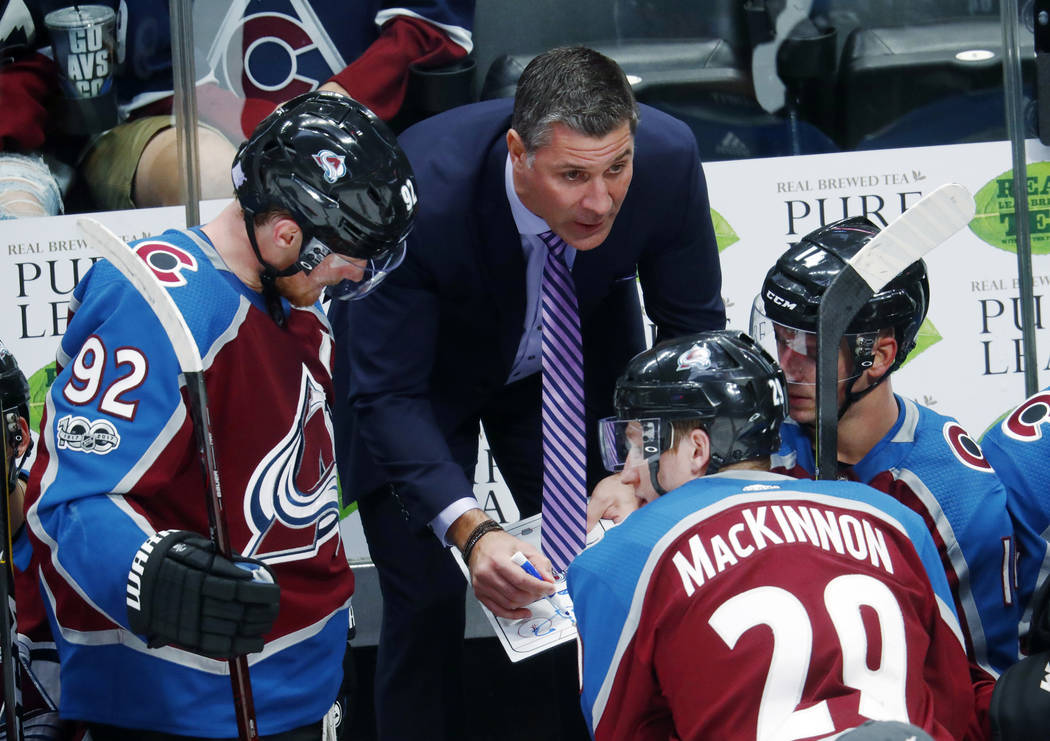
{"x":575,"y":86}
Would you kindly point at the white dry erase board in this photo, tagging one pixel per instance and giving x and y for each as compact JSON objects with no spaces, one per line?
{"x":546,"y":629}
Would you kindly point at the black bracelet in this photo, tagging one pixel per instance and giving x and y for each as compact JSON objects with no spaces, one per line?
{"x":475,"y":535}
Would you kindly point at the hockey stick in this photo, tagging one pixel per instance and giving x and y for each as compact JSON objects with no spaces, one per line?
{"x":906,"y":239}
{"x":8,"y":622}
{"x":114,"y":249}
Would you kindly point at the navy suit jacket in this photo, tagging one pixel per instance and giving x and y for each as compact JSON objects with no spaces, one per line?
{"x":419,"y":361}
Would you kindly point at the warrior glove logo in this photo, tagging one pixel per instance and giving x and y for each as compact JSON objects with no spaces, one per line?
{"x":334,"y":165}
{"x":79,"y":433}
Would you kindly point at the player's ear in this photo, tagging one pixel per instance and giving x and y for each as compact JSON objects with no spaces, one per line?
{"x":883,"y":353}
{"x":701,"y":451}
{"x":24,"y":439}
{"x":286,"y":234}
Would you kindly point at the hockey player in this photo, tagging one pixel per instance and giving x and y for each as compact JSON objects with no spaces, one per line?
{"x":1018,"y":449}
{"x":738,"y":603}
{"x":14,"y":407}
{"x":144,"y":611}
{"x":923,"y":459}
{"x":38,"y":669}
{"x":1020,"y":708}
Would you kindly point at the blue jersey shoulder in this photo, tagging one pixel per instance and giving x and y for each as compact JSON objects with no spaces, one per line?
{"x":934,"y":440}
{"x":210,"y":298}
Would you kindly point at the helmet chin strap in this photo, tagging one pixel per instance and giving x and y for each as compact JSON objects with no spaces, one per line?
{"x":654,"y":472}
{"x":14,"y":466}
{"x":713,"y":466}
{"x":269,"y":274}
{"x":852,"y":397}
{"x":12,"y":473}
{"x":811,"y":427}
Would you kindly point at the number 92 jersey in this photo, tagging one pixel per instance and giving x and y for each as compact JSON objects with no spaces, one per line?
{"x":762,"y":607}
{"x":118,"y":462}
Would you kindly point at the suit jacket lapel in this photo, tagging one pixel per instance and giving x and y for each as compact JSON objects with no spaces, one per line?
{"x":499,"y":253}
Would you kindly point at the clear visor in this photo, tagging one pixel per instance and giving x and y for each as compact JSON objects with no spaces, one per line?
{"x":373,"y":270}
{"x":630,"y":442}
{"x":796,"y":349}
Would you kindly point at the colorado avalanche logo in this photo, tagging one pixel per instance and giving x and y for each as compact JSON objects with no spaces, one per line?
{"x":334,"y":165}
{"x":698,"y":356}
{"x":274,"y":54}
{"x":166,"y":261}
{"x":292,"y":502}
{"x":1026,"y":422}
{"x":965,"y":448}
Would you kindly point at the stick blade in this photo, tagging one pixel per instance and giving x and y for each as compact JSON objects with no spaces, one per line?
{"x":132,"y":267}
{"x":924,"y":226}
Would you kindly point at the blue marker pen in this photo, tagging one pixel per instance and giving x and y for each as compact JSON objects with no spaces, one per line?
{"x":524,"y":563}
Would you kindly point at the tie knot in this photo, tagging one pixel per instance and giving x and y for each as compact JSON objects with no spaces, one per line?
{"x":554,"y":243}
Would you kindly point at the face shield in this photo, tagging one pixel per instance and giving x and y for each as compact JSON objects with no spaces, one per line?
{"x":375,"y":269}
{"x":632,"y":442}
{"x":796,"y":349}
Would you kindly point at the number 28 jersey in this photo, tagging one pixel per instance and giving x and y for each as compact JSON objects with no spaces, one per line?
{"x":763,"y":607}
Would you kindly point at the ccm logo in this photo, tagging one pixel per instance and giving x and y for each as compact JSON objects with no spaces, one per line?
{"x":780,"y":301}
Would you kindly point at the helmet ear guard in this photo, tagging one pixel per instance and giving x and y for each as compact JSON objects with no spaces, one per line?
{"x":15,"y":438}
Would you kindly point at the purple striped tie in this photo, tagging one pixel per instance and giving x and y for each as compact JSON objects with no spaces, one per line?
{"x":563,"y":532}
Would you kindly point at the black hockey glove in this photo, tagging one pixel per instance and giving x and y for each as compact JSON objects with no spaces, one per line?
{"x":180,"y":591}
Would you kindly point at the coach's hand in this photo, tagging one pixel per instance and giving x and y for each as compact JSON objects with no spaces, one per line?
{"x":500,"y":584}
{"x":182,"y":592}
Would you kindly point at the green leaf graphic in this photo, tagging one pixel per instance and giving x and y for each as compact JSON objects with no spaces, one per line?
{"x":345,"y":508}
{"x":724,"y":234}
{"x":926,"y":337}
{"x":39,"y":383}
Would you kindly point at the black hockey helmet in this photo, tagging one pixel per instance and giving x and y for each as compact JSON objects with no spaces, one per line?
{"x":722,"y":379}
{"x":14,"y":403}
{"x":793,"y":288}
{"x":336,"y":168}
{"x":14,"y":389}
